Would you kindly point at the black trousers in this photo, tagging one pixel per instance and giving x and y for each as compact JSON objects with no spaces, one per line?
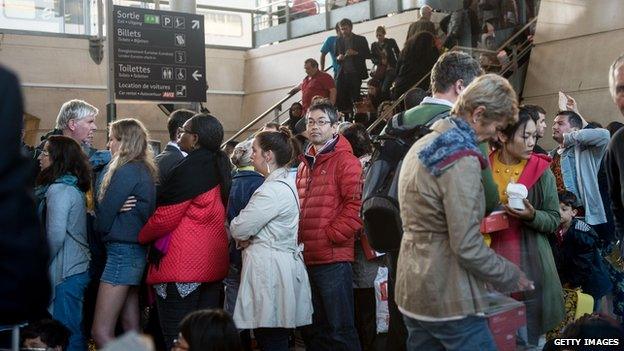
{"x":348,"y":88}
{"x":365,"y":317}
{"x":397,"y":333}
{"x":174,"y":308}
{"x":272,"y":339}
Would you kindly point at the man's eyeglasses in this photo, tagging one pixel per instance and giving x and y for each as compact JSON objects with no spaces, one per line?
{"x":320,"y":122}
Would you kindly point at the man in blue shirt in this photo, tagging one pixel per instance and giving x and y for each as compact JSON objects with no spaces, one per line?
{"x":578,"y":160}
{"x":328,"y":47}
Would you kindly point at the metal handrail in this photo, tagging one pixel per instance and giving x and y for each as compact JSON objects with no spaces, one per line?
{"x":266,"y":113}
{"x":513,"y":61}
{"x":513,"y":37}
{"x":259,"y":118}
{"x":265,"y":10}
{"x":401,"y":98}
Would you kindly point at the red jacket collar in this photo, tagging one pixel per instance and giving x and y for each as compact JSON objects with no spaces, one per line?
{"x":535,"y":167}
{"x":342,"y":145}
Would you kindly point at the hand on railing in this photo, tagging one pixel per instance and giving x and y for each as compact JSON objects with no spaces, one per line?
{"x":294,"y":90}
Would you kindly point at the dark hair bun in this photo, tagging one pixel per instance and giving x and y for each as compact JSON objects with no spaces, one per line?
{"x":285,"y":131}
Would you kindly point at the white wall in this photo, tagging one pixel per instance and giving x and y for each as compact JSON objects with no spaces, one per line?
{"x":576,"y":41}
{"x":271,"y":71}
{"x":241,"y":84}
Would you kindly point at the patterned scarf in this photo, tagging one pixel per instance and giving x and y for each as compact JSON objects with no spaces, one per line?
{"x":450,"y":146}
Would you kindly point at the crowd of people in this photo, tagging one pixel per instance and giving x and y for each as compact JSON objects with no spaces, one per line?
{"x":204,"y":248}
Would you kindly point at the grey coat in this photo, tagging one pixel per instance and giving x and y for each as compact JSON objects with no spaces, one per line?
{"x":590,"y":146}
{"x":66,"y":229}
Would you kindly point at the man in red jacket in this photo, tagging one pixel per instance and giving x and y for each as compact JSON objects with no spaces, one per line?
{"x":329,"y":186}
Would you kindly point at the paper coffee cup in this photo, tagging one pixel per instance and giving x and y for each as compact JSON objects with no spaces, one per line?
{"x":516,"y":193}
{"x":517,"y":203}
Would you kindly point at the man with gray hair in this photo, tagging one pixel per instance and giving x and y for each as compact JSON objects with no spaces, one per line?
{"x":76,"y":119}
{"x":614,"y":158}
{"x":423,"y":24}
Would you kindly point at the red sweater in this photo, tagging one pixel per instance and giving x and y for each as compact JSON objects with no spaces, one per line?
{"x":198,"y":251}
{"x":330,"y":195}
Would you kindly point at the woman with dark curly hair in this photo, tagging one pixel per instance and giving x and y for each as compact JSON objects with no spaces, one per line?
{"x":61,"y":186}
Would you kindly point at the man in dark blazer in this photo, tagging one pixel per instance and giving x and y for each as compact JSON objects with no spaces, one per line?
{"x":351,"y":51}
{"x":25,"y":287}
{"x":172,"y":154}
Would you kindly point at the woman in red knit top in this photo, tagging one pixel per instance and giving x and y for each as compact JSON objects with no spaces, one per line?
{"x":188,"y":227}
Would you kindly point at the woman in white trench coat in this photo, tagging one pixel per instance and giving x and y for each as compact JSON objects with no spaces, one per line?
{"x":274,"y":293}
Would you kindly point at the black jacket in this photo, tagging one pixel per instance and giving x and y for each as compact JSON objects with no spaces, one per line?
{"x":390,"y":47}
{"x":579,"y":261}
{"x":25,"y":287}
{"x":360,"y":44}
{"x":614,"y":165}
{"x":166,"y":160}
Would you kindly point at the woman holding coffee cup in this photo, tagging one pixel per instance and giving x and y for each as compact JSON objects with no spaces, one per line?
{"x":528,"y":193}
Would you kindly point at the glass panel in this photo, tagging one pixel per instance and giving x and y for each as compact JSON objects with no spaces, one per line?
{"x":226,"y":28}
{"x":335,"y":4}
{"x":275,"y":12}
{"x":56,"y":16}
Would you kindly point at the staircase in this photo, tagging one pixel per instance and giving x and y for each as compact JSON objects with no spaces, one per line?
{"x":517,"y":49}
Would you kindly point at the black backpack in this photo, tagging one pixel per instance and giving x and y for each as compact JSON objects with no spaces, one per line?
{"x":380,"y":206}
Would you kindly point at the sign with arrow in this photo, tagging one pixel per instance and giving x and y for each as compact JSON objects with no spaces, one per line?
{"x":153,"y":50}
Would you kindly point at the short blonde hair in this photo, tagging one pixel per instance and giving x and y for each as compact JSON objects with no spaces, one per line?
{"x":380,"y":29}
{"x":492,"y":92}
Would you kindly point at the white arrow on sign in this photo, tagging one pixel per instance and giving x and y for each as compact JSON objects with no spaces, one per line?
{"x":195,"y":24}
{"x":196,"y":75}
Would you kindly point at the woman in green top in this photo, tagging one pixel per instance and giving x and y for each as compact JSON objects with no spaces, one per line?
{"x":525,"y":242}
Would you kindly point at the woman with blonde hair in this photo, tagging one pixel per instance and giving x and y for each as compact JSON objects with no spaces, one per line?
{"x":131,"y":172}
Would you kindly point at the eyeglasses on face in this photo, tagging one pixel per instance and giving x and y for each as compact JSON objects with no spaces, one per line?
{"x":45,"y":153}
{"x":320,"y":122}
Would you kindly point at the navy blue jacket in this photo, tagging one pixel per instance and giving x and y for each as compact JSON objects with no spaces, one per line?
{"x":244,"y":184}
{"x":579,"y":261}
{"x":132,"y":179}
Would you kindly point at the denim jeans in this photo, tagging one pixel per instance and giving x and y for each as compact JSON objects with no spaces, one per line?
{"x":231,"y":283}
{"x":333,"y":325}
{"x":272,"y":339}
{"x":470,"y":333}
{"x":68,"y":302}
